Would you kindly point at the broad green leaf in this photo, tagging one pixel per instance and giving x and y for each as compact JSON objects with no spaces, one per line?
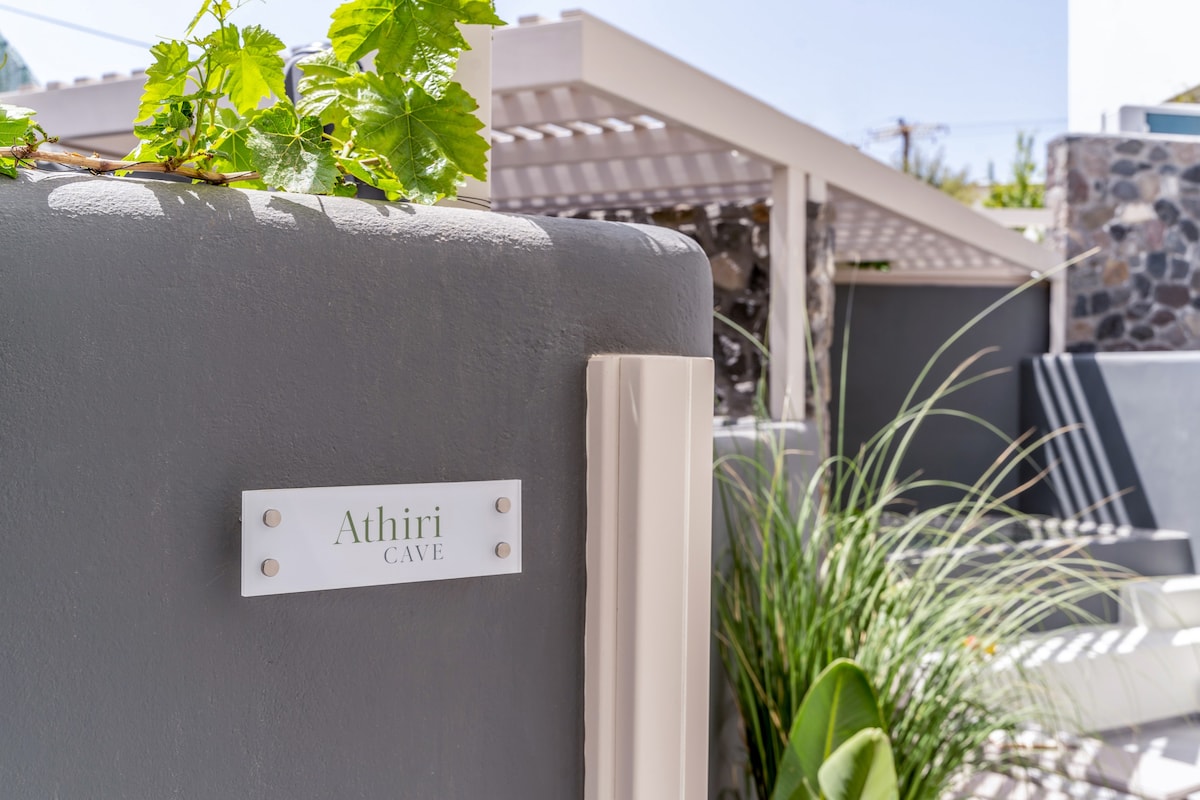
{"x":253,"y":66}
{"x":290,"y":152}
{"x":164,"y":136}
{"x":199,"y":16}
{"x":322,"y":92}
{"x":429,"y":142}
{"x":220,"y":10}
{"x":234,"y":153}
{"x":861,"y":769}
{"x":15,"y":123}
{"x":839,"y":704}
{"x":172,"y":122}
{"x":344,"y":187}
{"x":418,"y":39}
{"x":166,"y":77}
{"x":378,"y":176}
{"x":797,"y":789}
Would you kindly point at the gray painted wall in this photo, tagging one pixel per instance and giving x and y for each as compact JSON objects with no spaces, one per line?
{"x":164,"y":347}
{"x":1154,"y":398}
{"x":1130,"y":457}
{"x":895,"y":330}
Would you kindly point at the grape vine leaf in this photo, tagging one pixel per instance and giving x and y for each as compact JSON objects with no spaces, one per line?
{"x":430,"y":142}
{"x":344,"y":187}
{"x":253,"y":66}
{"x":15,"y":125}
{"x":166,"y":77}
{"x":377,"y":175}
{"x":15,"y":122}
{"x":320,"y":93}
{"x":163,"y":136}
{"x":289,"y":151}
{"x":232,"y":151}
{"x":222,"y":9}
{"x":419,"y":39}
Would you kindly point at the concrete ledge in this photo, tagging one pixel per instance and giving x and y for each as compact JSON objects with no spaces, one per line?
{"x":1106,"y":677}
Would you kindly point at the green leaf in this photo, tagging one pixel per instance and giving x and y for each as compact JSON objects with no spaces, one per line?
{"x":220,"y":10}
{"x":170,"y":123}
{"x":344,"y":188}
{"x":378,"y":176}
{"x":794,"y":790}
{"x":165,"y":135}
{"x":234,"y":153}
{"x":418,"y":39}
{"x":322,"y":90}
{"x":252,"y":64}
{"x":15,"y":123}
{"x":290,"y":152}
{"x":430,"y":143}
{"x":861,"y":769}
{"x":166,"y":77}
{"x":839,"y":704}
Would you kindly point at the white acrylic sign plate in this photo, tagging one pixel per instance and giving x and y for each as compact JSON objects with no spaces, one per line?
{"x":453,"y":531}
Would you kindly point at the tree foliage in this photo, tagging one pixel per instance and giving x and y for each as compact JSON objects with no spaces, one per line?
{"x":933,"y":170}
{"x":214,"y":106}
{"x":1021,"y":192}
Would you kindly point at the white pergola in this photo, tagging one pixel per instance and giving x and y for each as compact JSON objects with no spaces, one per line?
{"x":587,"y":116}
{"x":584,"y":115}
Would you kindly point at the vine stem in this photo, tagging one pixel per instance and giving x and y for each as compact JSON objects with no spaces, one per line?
{"x":100,"y":165}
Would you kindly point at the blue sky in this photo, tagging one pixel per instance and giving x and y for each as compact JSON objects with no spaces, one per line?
{"x":983,"y":68}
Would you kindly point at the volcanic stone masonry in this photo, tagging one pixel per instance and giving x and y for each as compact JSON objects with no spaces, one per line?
{"x":736,"y":237}
{"x":1138,"y":200}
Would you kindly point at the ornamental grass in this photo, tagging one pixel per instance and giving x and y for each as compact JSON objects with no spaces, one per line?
{"x":822,"y":567}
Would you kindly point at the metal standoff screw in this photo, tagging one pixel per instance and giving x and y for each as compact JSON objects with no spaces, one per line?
{"x":270,"y":567}
{"x":504,"y":549}
{"x":503,"y":505}
{"x":272,"y":518}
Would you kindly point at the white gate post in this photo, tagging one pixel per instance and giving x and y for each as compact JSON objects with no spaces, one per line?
{"x":649,"y":431}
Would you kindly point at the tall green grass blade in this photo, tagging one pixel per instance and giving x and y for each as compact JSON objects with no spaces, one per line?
{"x":823,"y":567}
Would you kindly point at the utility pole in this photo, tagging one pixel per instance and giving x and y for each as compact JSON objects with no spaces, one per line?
{"x":906,"y":132}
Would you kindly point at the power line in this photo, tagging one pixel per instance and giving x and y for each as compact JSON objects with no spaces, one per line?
{"x":75,"y":27}
{"x":1012,"y":123}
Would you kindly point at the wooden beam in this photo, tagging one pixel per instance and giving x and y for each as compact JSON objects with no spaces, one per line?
{"x":650,"y":173}
{"x":984,"y":276}
{"x":555,"y":105}
{"x":551,"y":150}
{"x":787,"y":326}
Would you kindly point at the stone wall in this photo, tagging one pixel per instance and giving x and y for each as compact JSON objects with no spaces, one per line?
{"x":1138,"y":200}
{"x":736,"y":239}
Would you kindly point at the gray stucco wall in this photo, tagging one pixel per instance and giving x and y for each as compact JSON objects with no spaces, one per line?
{"x":895,"y":330}
{"x":164,"y":347}
{"x":1126,"y":438}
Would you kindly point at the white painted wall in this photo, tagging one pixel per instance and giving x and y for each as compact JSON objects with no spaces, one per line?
{"x":1127,"y":52}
